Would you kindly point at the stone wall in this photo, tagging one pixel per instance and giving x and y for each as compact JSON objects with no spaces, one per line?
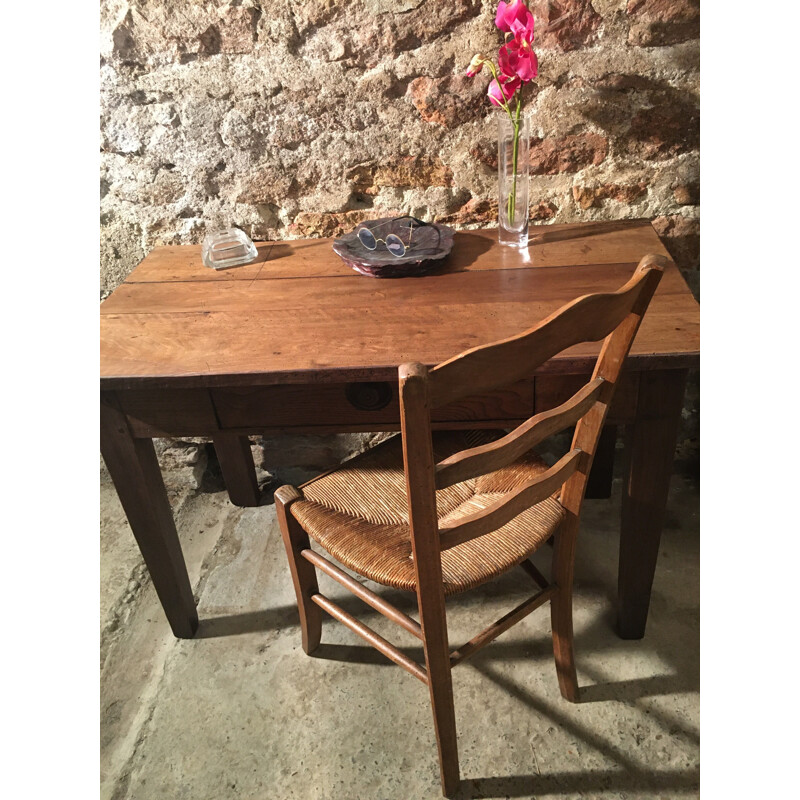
{"x":300,"y":119}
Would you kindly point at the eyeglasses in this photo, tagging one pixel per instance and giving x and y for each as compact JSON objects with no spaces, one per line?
{"x":394,"y":244}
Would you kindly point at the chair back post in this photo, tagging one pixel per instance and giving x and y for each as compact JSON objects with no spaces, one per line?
{"x":587,"y":433}
{"x":608,"y":366}
{"x":418,"y":460}
{"x":415,"y":422}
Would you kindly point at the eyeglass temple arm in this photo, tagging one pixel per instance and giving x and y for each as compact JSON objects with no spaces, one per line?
{"x":419,"y":222}
{"x":400,"y":219}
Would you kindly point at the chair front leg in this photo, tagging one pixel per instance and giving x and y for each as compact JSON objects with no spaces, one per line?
{"x":561,"y":608}
{"x":440,"y":683}
{"x":304,"y":575}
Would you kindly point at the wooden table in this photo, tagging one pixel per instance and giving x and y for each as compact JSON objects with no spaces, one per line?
{"x":297,"y":341}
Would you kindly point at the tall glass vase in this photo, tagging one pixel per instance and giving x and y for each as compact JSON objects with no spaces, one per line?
{"x":513,"y":169}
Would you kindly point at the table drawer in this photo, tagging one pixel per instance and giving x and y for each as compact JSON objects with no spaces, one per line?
{"x":168,"y":412}
{"x":552,"y":390}
{"x":354,"y":405}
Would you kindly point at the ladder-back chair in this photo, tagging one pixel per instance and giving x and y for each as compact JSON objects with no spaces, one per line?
{"x":438,"y":513}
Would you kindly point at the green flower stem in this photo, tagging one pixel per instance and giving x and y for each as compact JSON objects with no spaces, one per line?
{"x":505,"y":107}
{"x":512,"y":199}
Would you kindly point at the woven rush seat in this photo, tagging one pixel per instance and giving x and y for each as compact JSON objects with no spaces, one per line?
{"x":359,"y":514}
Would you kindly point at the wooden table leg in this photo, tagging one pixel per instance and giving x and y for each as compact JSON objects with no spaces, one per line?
{"x":602,"y":475}
{"x":238,"y":469}
{"x":650,"y":445}
{"x":133,"y":467}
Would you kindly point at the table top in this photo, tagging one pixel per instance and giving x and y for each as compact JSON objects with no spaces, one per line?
{"x":298,"y":314}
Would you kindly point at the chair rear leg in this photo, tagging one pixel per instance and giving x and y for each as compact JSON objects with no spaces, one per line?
{"x":304,"y":576}
{"x":561,"y":612}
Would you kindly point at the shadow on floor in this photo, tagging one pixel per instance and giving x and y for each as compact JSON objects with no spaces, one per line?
{"x":676,"y":781}
{"x":269,"y":619}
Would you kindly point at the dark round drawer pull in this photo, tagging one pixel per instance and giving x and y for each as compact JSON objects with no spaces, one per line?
{"x":369,"y":396}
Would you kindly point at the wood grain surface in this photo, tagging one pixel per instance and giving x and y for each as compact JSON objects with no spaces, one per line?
{"x":589,"y":318}
{"x":300,"y":315}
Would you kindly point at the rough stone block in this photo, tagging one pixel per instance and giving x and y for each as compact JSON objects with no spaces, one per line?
{"x":666,"y":130}
{"x":663,"y":22}
{"x":120,"y":251}
{"x":449,"y":101}
{"x":476,"y":211}
{"x":568,"y":154}
{"x":408,"y":172}
{"x":588,"y":196}
{"x":267,"y":184}
{"x":687,"y":194}
{"x":565,"y":24}
{"x":309,"y":224}
{"x":681,"y":236}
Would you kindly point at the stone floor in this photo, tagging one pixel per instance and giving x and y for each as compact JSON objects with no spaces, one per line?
{"x":241,"y":711}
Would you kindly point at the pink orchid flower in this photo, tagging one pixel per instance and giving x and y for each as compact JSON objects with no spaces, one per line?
{"x":517,"y":56}
{"x":514,"y":18}
{"x":500,"y":97}
{"x":516,"y":63}
{"x":518,"y":59}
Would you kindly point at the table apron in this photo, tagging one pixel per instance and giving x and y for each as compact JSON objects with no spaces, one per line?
{"x":343,"y":408}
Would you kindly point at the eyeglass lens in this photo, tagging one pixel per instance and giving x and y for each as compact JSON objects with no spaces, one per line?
{"x":395,"y":245}
{"x":366,"y":238}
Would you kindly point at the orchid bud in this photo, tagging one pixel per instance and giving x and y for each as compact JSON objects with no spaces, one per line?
{"x":476,"y":65}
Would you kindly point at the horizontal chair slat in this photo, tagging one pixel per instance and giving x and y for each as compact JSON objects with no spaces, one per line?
{"x":495,"y":455}
{"x":587,"y":319}
{"x":494,"y":517}
{"x":502,"y":625}
{"x":370,"y":598}
{"x":377,"y":641}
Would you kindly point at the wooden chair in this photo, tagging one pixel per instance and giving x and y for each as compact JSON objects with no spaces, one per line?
{"x":420,"y":512}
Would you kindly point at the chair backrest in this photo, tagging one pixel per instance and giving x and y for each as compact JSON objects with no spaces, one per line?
{"x":614,"y":317}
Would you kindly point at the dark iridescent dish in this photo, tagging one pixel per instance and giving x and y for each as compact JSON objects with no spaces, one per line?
{"x":429,"y":245}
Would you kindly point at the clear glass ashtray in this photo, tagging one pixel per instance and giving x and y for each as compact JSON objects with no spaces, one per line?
{"x":228,"y":248}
